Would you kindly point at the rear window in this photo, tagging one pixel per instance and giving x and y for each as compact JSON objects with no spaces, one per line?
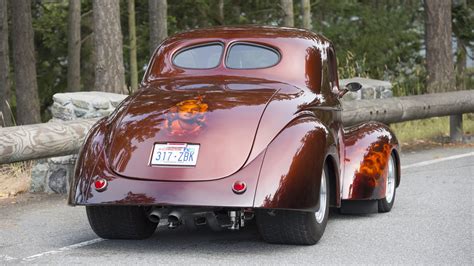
{"x":251,"y":56}
{"x":201,"y":57}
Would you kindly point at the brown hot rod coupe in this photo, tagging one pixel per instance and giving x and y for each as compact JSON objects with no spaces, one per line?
{"x":232,"y":124}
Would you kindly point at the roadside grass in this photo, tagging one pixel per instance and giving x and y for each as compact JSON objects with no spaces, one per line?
{"x":15,"y":178}
{"x":431,"y":130}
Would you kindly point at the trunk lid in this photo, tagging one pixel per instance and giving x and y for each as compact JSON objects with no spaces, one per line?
{"x":221,"y":118}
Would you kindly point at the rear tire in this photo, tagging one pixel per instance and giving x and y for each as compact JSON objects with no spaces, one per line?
{"x":295,"y":227}
{"x":120,"y":222}
{"x":386,"y":204}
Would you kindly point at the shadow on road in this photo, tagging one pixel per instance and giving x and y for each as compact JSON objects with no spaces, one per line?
{"x":205,"y":242}
{"x":200,"y":242}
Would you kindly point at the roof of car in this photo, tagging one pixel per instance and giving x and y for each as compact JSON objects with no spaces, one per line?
{"x":251,"y":31}
{"x":294,"y":45}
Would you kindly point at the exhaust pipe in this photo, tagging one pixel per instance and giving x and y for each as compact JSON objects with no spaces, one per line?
{"x":156,"y":215}
{"x":174,"y":219}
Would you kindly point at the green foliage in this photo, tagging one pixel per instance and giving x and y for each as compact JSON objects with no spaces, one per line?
{"x":50,"y":27}
{"x":350,"y":67}
{"x":143,"y":37}
{"x":375,"y":39}
{"x":463,"y":22}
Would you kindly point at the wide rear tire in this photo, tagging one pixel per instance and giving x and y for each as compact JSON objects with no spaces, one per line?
{"x":295,"y":227}
{"x":386,"y":204}
{"x":120,"y":222}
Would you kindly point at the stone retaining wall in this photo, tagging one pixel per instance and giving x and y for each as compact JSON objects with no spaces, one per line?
{"x":90,"y":104}
{"x":371,"y":89}
{"x":53,"y":175}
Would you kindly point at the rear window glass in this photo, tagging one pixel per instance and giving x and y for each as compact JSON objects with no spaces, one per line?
{"x":201,"y":57}
{"x":250,"y":56}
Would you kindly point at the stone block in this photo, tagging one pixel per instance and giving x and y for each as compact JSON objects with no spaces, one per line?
{"x":38,"y":176}
{"x":94,"y":114}
{"x":105,"y":112}
{"x":80,"y":112}
{"x":81,"y":103}
{"x":101,"y":103}
{"x":63,"y":112}
{"x":386,"y":94}
{"x":61,"y":98}
{"x":57,"y":180}
{"x":351,"y":96}
{"x":368,"y":93}
{"x":115,"y":101}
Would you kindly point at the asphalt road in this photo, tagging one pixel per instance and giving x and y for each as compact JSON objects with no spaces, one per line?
{"x":431,"y":222}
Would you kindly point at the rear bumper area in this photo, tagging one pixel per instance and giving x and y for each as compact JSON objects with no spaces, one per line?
{"x":127,"y":191}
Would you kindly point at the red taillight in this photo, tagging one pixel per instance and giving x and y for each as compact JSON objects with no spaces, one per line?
{"x":239,"y":187}
{"x":100,"y":184}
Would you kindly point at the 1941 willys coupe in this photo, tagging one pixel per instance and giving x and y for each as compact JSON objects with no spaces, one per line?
{"x":232,"y":124}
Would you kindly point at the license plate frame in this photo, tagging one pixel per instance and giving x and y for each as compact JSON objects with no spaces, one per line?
{"x":174,"y":154}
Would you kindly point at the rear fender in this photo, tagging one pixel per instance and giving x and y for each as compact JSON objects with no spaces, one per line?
{"x":88,"y":158}
{"x":367,"y":150}
{"x":292,"y":167}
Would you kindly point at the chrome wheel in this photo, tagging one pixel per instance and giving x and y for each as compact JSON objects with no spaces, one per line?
{"x":390,"y":184}
{"x":321,"y":212}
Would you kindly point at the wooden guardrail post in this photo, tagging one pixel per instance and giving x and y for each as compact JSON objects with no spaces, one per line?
{"x":455,"y":128}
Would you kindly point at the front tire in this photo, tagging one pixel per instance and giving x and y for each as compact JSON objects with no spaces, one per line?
{"x":296,"y":227}
{"x":120,"y":222}
{"x":386,"y":204}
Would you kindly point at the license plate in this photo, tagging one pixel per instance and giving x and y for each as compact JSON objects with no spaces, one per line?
{"x":177,"y":154}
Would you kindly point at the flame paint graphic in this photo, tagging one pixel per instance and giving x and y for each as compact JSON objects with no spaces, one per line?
{"x":187,"y":117}
{"x":372,"y":172}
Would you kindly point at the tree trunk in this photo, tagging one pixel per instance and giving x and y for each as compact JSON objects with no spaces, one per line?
{"x":158,"y":22}
{"x":220,"y":12}
{"x":5,"y":116}
{"x":461,"y":65}
{"x":461,"y":58}
{"x":133,"y":46}
{"x":24,"y":62}
{"x":306,"y":14}
{"x":109,"y":69}
{"x":439,"y":58}
{"x":88,"y":58}
{"x":287,"y":8}
{"x":74,"y":46}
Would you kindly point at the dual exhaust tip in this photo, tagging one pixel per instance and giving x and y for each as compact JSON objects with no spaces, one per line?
{"x":174,"y":217}
{"x":189,"y":217}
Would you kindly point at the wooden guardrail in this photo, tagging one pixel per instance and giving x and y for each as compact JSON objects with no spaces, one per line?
{"x":37,"y":141}
{"x":399,"y":109}
{"x":55,"y":139}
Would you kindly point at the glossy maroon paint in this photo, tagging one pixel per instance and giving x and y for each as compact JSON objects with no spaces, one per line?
{"x":287,"y":178}
{"x":227,"y":127}
{"x":271,"y":128}
{"x":367,"y":150}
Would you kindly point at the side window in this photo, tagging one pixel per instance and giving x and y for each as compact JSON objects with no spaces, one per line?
{"x":251,"y":56}
{"x":199,"y":57}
